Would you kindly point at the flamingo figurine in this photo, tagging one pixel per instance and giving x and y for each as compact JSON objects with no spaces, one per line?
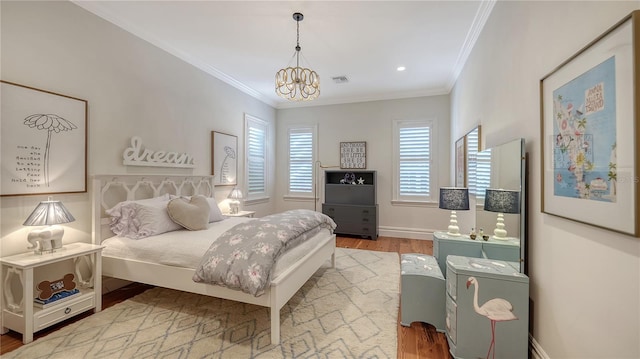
{"x":497,"y":310}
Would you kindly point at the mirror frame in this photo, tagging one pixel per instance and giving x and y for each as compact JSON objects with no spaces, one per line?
{"x":472,"y":161}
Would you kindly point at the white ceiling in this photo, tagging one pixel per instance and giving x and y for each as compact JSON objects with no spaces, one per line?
{"x":244,"y":43}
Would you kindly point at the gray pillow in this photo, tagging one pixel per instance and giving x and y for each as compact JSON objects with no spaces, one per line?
{"x":192,"y":214}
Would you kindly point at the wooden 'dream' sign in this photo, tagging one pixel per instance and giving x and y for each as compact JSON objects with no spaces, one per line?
{"x":353,"y":155}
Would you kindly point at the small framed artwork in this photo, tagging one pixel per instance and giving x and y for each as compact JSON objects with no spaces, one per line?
{"x":224,"y":158}
{"x":461,"y":162}
{"x":590,"y":127}
{"x":353,"y":155}
{"x":44,"y":142}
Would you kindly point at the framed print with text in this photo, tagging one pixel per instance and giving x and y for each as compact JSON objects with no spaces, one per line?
{"x":44,"y":142}
{"x":590,"y":126}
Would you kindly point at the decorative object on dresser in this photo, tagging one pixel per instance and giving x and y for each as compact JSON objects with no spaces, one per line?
{"x":297,"y":83}
{"x":471,"y":329}
{"x":590,"y":132}
{"x":351,"y":205}
{"x":33,"y":313}
{"x":47,"y":213}
{"x":234,"y":200}
{"x":501,"y":201}
{"x":44,"y":142}
{"x":353,"y":155}
{"x":454,"y":199}
{"x":224,"y":158}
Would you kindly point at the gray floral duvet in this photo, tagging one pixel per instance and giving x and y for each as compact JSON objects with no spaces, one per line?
{"x":243,"y":256}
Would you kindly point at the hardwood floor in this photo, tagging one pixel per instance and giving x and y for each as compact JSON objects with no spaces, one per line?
{"x":420,"y":341}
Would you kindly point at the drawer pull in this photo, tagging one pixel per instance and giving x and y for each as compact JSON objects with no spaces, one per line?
{"x":67,"y":310}
{"x":365,"y":220}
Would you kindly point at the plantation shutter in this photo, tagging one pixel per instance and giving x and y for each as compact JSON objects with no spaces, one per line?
{"x":414,"y":161}
{"x":301,"y":160}
{"x":483,"y":174}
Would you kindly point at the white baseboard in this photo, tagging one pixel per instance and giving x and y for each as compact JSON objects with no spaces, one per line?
{"x":411,"y":233}
{"x":536,"y":350}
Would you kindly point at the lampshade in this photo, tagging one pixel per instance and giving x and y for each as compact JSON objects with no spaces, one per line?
{"x":454,"y":199}
{"x":297,"y":83}
{"x":235,"y":193}
{"x":48,"y":213}
{"x":502,"y":201}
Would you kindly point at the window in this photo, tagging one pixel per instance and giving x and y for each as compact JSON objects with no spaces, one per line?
{"x":483,"y":174}
{"x":413,"y":165}
{"x":256,"y":158}
{"x":301,"y":159}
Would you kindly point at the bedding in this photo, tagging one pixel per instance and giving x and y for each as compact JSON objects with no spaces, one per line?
{"x":141,"y":218}
{"x":242,"y":258}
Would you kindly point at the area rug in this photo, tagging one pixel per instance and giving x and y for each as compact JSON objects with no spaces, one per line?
{"x":349,"y":311}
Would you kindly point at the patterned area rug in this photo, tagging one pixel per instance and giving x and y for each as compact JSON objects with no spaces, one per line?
{"x":347,"y":312}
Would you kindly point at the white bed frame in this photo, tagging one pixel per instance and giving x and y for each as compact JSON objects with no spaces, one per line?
{"x":109,"y":190}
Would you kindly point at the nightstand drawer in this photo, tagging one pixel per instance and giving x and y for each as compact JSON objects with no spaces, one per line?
{"x":46,"y":317}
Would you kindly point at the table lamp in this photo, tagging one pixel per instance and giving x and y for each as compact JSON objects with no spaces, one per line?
{"x":501,"y":201}
{"x":47,"y":213}
{"x":454,"y":199}
{"x":235,"y":196}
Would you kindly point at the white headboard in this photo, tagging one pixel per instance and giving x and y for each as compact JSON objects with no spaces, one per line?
{"x":109,"y":190}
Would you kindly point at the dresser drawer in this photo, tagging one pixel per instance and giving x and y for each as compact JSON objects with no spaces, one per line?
{"x":49,"y":316}
{"x":451,"y":283}
{"x":350,"y":213}
{"x":451,"y":319}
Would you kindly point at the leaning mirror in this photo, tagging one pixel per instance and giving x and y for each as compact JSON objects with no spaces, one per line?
{"x":499,"y":201}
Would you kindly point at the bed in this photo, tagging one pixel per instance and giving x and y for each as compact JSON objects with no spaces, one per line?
{"x":291,"y":271}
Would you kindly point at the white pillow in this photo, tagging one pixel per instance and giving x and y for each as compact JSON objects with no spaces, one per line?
{"x":215,"y":214}
{"x":141,"y":218}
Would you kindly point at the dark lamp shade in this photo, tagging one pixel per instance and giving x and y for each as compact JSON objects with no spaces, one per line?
{"x":502,"y":201}
{"x":236,"y":194}
{"x":49,"y":213}
{"x":454,"y":198}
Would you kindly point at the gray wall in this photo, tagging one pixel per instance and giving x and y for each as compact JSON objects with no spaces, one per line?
{"x":373,"y":122}
{"x":132,"y":88}
{"x":585,"y":281}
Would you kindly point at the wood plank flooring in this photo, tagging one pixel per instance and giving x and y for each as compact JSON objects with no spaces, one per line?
{"x":420,"y":341}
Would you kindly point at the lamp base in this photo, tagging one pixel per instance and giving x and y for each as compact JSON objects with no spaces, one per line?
{"x":234,"y":207}
{"x":453,"y":229}
{"x":45,"y":240}
{"x":500,"y":233}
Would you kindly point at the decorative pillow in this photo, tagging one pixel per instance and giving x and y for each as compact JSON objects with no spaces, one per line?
{"x":141,"y":218}
{"x":191,"y":214}
{"x":215,"y":215}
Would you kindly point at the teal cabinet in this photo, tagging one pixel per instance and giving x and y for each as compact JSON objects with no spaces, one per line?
{"x":487,"y":308}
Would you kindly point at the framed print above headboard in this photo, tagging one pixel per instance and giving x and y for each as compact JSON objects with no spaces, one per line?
{"x":224,"y":158}
{"x":44,"y":142}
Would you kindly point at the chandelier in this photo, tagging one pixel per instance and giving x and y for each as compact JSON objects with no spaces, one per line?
{"x":297,"y":83}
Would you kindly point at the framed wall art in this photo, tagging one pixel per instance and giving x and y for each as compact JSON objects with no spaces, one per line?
{"x":224,"y":158}
{"x":461,"y":162}
{"x":44,"y":142}
{"x":353,"y":155}
{"x":590,"y":126}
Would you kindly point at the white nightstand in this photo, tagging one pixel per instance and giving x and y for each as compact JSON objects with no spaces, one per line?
{"x":248,"y":214}
{"x":24,"y":317}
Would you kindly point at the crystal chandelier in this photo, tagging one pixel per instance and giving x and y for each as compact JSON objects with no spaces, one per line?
{"x":297,"y":83}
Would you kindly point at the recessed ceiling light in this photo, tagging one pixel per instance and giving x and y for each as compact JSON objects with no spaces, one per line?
{"x":401,"y":68}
